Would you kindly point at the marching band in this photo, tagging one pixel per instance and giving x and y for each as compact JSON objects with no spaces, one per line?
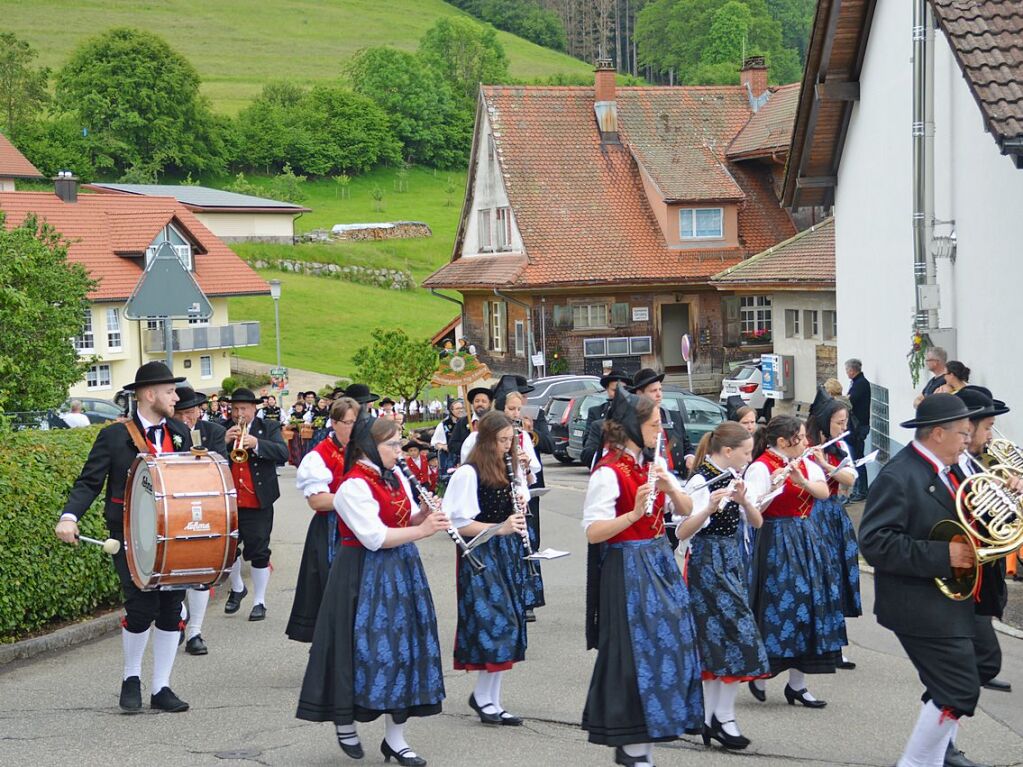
{"x":674,"y":644}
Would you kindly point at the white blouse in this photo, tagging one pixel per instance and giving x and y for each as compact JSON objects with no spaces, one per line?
{"x":359,"y":510}
{"x":696,"y":488}
{"x":758,"y":479}
{"x":313,"y":476}
{"x":461,"y":504}
{"x":526,"y":445}
{"x":602,"y":495}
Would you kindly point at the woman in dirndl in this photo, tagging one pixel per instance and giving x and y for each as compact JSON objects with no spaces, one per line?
{"x":794,"y":595}
{"x":829,"y":417}
{"x":375,"y":649}
{"x":318,"y":478}
{"x":731,"y":651}
{"x":746,"y":417}
{"x":296,"y":445}
{"x":491,"y":633}
{"x":645,"y":686}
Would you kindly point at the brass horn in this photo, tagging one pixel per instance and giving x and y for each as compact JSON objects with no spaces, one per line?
{"x":1004,"y":452}
{"x":238,"y":453}
{"x":990,"y":521}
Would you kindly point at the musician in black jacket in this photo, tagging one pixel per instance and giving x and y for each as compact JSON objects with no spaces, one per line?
{"x":911,"y":494}
{"x":593,"y":435}
{"x":481,"y":399}
{"x":108,"y":463}
{"x":211,"y":437}
{"x":255,"y":481}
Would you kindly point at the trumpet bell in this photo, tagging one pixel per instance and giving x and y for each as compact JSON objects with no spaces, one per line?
{"x":238,"y":453}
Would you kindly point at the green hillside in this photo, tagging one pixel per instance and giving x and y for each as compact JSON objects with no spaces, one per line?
{"x":237,"y":45}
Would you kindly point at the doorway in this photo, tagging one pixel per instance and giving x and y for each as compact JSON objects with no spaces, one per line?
{"x":674,"y":325}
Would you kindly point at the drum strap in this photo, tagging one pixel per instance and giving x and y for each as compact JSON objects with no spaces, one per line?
{"x":136,"y":436}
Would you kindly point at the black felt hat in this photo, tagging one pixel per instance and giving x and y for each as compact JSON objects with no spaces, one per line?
{"x":614,"y":375}
{"x":242,"y":395}
{"x":980,"y":396}
{"x":188,"y":398}
{"x":360,"y":393}
{"x":643,"y":379}
{"x":938,"y":409}
{"x":523,"y":386}
{"x":479,"y":390}
{"x":506,"y":384}
{"x":732,"y":405}
{"x":386,"y":401}
{"x":152,"y":374}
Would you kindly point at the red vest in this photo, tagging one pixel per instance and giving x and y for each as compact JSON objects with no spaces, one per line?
{"x":244,"y":485}
{"x":420,"y":468}
{"x":631,"y":477}
{"x":794,"y":501}
{"x":394,"y":505}
{"x":333,"y":456}
{"x":166,"y":446}
{"x":833,"y":461}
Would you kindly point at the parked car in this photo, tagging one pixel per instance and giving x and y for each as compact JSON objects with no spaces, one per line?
{"x":44,"y":420}
{"x":558,"y":410}
{"x":98,"y":410}
{"x":746,"y":381}
{"x":546,"y":388}
{"x":701,"y":415}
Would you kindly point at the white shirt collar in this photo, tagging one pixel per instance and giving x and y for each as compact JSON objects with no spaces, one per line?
{"x":926,"y":453}
{"x":146,"y":425}
{"x":369,"y":464}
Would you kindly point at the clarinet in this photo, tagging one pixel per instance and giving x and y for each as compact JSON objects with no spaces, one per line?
{"x":434,"y":503}
{"x":509,"y":467}
{"x":652,"y":481}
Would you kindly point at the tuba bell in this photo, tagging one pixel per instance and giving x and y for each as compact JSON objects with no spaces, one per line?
{"x":239,"y":454}
{"x":990,"y":521}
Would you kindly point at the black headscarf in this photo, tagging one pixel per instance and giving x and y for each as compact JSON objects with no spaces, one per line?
{"x":362,"y":440}
{"x":733,"y":404}
{"x":822,"y":410}
{"x":623,"y":412}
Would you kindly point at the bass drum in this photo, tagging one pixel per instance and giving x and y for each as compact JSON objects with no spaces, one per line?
{"x":180,"y":520}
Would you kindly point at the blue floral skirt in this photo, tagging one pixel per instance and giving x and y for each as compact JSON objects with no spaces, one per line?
{"x":796,"y":597}
{"x":491,"y":632}
{"x":646,"y":680}
{"x":533,"y":526}
{"x":375,"y":648}
{"x":313,"y":571}
{"x":839,"y":536}
{"x":726,"y":631}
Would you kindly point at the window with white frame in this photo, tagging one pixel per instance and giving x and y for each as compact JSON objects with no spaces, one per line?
{"x":811,"y":323}
{"x":594,"y":347}
{"x":196,"y":322}
{"x":495,"y":322}
{"x":520,"y":338}
{"x":504,"y":228}
{"x":791,"y":323}
{"x":85,"y":342}
{"x":830,"y":324}
{"x":701,"y":223}
{"x":98,"y":377}
{"x":154,"y":324}
{"x":114,"y":330}
{"x":586,"y":316}
{"x":755,"y":318}
{"x":182,"y":247}
{"x":206,"y":366}
{"x":486,"y":241}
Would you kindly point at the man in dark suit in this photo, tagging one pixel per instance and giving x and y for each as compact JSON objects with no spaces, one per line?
{"x":912,"y":494}
{"x":481,"y":399}
{"x":211,"y":437}
{"x":859,"y":397}
{"x":679,"y":448}
{"x":593,"y":435}
{"x":150,"y":429}
{"x":255,"y":480}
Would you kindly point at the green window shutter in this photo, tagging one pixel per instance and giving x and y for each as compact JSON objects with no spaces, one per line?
{"x":487,"y":330}
{"x":620,"y":314}
{"x":563,"y":317}
{"x":733,"y":320}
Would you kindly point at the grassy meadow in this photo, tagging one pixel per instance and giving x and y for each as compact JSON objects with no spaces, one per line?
{"x":238,"y":45}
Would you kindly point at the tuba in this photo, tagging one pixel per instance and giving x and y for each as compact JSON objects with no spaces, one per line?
{"x":238,"y":453}
{"x":990,"y":521}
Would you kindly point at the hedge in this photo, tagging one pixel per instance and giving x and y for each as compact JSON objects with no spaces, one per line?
{"x":41,"y":579}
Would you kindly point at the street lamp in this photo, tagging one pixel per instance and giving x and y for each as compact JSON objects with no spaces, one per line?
{"x":275,"y":294}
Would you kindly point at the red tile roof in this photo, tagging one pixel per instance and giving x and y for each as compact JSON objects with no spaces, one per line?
{"x":13,"y":164}
{"x":986,"y":37}
{"x":108,"y":234}
{"x":806,"y":260}
{"x":769,"y":130}
{"x":580,"y":205}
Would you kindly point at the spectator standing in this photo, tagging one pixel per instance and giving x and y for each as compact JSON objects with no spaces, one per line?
{"x":957,"y":375}
{"x":935,"y":361}
{"x":859,"y":397}
{"x":76,"y":418}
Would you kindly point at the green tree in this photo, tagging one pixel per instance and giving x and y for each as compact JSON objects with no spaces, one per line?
{"x":23,"y":89}
{"x":466,"y":54}
{"x":395,"y":364}
{"x":433,"y":126}
{"x":344,"y":132}
{"x":139,"y":101}
{"x":43,"y":297}
{"x":55,"y":144}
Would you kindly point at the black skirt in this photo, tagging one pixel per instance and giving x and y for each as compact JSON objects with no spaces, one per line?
{"x":312,"y":577}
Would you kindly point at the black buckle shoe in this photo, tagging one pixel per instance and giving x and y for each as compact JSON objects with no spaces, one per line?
{"x":196,"y":646}
{"x":759,"y":694}
{"x":998,"y":685}
{"x":801,"y":695}
{"x":131,"y":695}
{"x":846,"y":665}
{"x":234,"y":601}
{"x":258,"y":613}
{"x":166,"y":700}
{"x":485,"y":718}
{"x":352,"y":748}
{"x":956,"y":758}
{"x":402,"y":757}
{"x":530,"y":615}
{"x":717,"y":732}
{"x":509,"y":720}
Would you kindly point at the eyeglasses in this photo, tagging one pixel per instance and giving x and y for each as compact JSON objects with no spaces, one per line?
{"x":346,"y":423}
{"x":394,"y":444}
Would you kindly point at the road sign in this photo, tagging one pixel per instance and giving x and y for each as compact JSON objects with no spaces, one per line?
{"x":167,"y":290}
{"x":686,"y":347}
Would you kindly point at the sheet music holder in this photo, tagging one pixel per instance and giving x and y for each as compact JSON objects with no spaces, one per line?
{"x":548,"y":554}
{"x":483,"y":537}
{"x":868,"y":458}
{"x":538,"y":492}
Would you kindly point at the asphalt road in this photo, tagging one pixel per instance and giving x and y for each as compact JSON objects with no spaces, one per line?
{"x":61,"y":709}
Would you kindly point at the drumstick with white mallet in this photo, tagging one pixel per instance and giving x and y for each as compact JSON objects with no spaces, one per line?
{"x":110,"y":546}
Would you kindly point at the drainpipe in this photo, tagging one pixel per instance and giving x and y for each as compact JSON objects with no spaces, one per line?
{"x":530,"y":350}
{"x":924,"y":272}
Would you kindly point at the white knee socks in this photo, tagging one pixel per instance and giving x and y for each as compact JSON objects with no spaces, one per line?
{"x":495,"y":689}
{"x":134,"y":648}
{"x":165,"y":647}
{"x":237,"y":584}
{"x":395,"y":735}
{"x":482,"y":690}
{"x":725,"y":708}
{"x":711,"y":687}
{"x":643,"y":751}
{"x":797,"y":681}
{"x":929,"y":740}
{"x":197,"y":601}
{"x":260,"y":578}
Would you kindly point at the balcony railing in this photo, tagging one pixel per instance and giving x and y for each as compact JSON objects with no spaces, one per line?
{"x":201,"y":337}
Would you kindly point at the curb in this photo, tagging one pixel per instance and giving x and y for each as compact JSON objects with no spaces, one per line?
{"x":69,"y":636}
{"x":1000,"y":627}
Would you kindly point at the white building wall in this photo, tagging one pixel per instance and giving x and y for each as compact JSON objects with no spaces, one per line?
{"x":802,"y":347}
{"x":488,"y":194}
{"x":975,"y":185}
{"x":232,"y":227}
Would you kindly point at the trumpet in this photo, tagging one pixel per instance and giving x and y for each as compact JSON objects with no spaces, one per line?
{"x":240,"y":454}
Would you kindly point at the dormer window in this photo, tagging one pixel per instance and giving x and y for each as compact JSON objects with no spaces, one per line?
{"x":181,"y":246}
{"x":701,"y":223}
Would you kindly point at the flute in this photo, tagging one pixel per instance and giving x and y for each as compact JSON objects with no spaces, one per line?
{"x":509,"y":467}
{"x":433,"y":502}
{"x":652,"y":480}
{"x":776,"y":482}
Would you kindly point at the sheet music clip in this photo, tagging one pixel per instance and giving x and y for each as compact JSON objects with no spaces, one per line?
{"x":548,"y":554}
{"x":482,"y":538}
{"x":868,"y":458}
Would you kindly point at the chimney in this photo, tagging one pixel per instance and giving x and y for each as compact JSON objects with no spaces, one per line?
{"x":66,"y":186}
{"x":753,"y":75}
{"x":604,"y":105}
